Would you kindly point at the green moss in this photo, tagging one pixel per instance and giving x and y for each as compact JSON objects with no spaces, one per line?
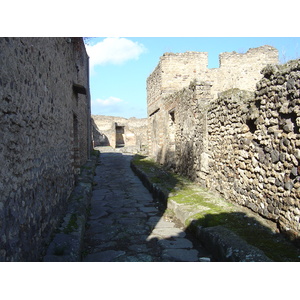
{"x":156,"y":173}
{"x":213,"y":211}
{"x":254,"y":233}
{"x":95,"y":152}
{"x":72,"y":225}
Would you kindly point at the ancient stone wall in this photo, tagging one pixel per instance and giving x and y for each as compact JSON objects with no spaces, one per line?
{"x":240,"y":70}
{"x":120,"y":132}
{"x":244,"y":145}
{"x":191,"y":129}
{"x":44,"y":138}
{"x":176,"y":71}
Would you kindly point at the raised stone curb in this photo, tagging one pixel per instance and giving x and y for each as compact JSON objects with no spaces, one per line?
{"x":230,"y":247}
{"x":66,"y":245}
{"x":223,"y":243}
{"x":154,"y":189}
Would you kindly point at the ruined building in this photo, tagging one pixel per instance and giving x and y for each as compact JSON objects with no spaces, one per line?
{"x":176,"y":71}
{"x":234,"y":129}
{"x":44,"y":138}
{"x":129,"y":134}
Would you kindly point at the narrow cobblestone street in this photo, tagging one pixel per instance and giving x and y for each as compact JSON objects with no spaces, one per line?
{"x":126,"y":224}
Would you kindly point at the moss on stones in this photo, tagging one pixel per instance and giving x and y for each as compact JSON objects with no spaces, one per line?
{"x":211,"y":210}
{"x":72,"y":224}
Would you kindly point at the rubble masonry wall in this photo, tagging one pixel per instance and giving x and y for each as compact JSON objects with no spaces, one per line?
{"x":244,"y":145}
{"x":44,"y":138}
{"x":176,"y":70}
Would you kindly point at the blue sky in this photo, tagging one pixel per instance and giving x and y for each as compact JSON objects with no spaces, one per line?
{"x":120,"y":66}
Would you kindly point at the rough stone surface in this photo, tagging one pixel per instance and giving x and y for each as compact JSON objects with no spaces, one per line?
{"x":181,"y":255}
{"x":222,"y":242}
{"x":175,"y":71}
{"x":242,"y":144}
{"x":178,"y":243}
{"x":66,"y":244}
{"x":44,"y":134}
{"x":129,"y":231}
{"x":227,"y":246}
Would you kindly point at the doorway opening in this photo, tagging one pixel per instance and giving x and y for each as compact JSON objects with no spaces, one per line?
{"x":120,"y":136}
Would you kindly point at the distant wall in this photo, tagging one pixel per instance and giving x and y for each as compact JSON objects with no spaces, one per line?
{"x":116,"y":131}
{"x":44,"y":138}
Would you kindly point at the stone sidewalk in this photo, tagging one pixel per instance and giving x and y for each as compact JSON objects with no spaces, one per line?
{"x":125,"y":224}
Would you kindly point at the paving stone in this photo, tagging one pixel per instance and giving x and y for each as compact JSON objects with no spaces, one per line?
{"x":137,"y":230}
{"x":98,"y":216}
{"x":126,"y":210}
{"x":130,"y":221}
{"x":137,"y":214}
{"x":136,"y":258}
{"x":99,"y":203}
{"x":138,"y":248}
{"x":148,"y":209}
{"x":125,"y":224}
{"x":165,"y":233}
{"x":104,"y":256}
{"x":99,"y":195}
{"x":115,"y":203}
{"x":154,"y":220}
{"x":103,"y":236}
{"x":111,"y":244}
{"x":176,"y":243}
{"x":131,"y":203}
{"x":181,"y":254}
{"x":105,"y":221}
{"x":98,"y":212}
{"x":162,"y":223}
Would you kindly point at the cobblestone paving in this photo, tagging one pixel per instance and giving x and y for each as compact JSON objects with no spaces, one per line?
{"x":126,"y":224}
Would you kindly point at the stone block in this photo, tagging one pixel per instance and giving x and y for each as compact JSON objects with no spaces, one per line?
{"x":227,"y":246}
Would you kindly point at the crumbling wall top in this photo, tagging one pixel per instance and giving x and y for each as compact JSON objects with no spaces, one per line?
{"x":264,"y":54}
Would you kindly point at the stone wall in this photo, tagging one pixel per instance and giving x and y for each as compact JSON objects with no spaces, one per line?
{"x":44,"y":138}
{"x":176,"y":71}
{"x":173,"y":72}
{"x":244,"y":144}
{"x":120,"y":132}
{"x":241,"y":70}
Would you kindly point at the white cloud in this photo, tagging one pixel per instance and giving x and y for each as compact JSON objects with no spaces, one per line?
{"x":114,"y":51}
{"x":110,"y":101}
{"x":111,"y":106}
